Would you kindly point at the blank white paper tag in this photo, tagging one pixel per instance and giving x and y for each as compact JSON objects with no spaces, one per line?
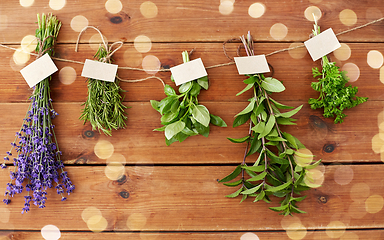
{"x":38,"y":70}
{"x":188,"y":71}
{"x":252,"y":64}
{"x":322,"y":44}
{"x":99,"y":70}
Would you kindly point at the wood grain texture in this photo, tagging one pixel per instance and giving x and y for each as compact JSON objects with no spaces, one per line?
{"x":316,"y":235}
{"x":194,"y":21}
{"x":187,"y":198}
{"x":347,"y":142}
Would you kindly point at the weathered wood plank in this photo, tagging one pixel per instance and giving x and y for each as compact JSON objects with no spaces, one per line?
{"x":224,"y":81}
{"x":186,"y":21}
{"x":347,"y":142}
{"x":317,"y":235}
{"x":186,"y":198}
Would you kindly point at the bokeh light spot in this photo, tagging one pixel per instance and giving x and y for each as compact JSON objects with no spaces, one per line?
{"x":256,"y":10}
{"x":226,"y":7}
{"x":343,"y":53}
{"x":132,"y":57}
{"x":78,"y":23}
{"x":335,"y":229}
{"x":357,"y":210}
{"x":352,"y":71}
{"x":5,"y":214}
{"x":249,"y":236}
{"x":148,"y":9}
{"x":348,"y":17}
{"x":67,"y":75}
{"x":90,"y":212}
{"x":374,"y":204}
{"x":286,"y":221}
{"x":142,"y":43}
{"x":113,"y":6}
{"x":278,"y":31}
{"x":375,"y":59}
{"x":314,"y":178}
{"x":359,"y":192}
{"x":50,"y":232}
{"x":20,"y":57}
{"x":382,"y":74}
{"x":296,"y":231}
{"x":373,"y":13}
{"x":97,"y":223}
{"x":377,"y":143}
{"x":350,"y":236}
{"x":303,"y":157}
{"x":297,"y":53}
{"x":312,"y":11}
{"x":57,"y":4}
{"x":26,"y":3}
{"x":29,"y":43}
{"x":3,"y":22}
{"x":104,"y":149}
{"x":343,"y":174}
{"x":151,"y":64}
{"x":114,"y":171}
{"x":136,"y":221}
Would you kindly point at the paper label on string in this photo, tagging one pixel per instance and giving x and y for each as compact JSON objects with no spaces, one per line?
{"x":322,"y":44}
{"x":99,"y":70}
{"x":252,"y":64}
{"x":38,"y":70}
{"x":188,"y":71}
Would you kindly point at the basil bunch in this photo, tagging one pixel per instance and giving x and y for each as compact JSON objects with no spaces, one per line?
{"x":181,"y":114}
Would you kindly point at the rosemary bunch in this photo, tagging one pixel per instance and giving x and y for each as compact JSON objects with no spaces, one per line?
{"x":335,"y":96}
{"x":181,"y":114}
{"x":104,"y":108}
{"x":277,"y":169}
{"x":38,"y":156}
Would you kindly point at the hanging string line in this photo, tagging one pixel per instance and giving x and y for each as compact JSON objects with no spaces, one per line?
{"x":167,"y":70}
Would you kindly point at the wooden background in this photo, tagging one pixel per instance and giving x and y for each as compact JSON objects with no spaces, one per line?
{"x":172,"y":192}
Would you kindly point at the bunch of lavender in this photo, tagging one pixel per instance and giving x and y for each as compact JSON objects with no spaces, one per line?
{"x":38,"y":161}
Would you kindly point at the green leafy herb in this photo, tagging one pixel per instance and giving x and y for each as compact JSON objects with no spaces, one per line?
{"x":335,"y":96}
{"x":280,"y":169}
{"x":181,"y":114}
{"x":104,"y":108}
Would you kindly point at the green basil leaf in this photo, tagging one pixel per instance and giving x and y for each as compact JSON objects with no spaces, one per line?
{"x":239,"y":140}
{"x":203,"y":82}
{"x":248,"y":109}
{"x":160,"y":129}
{"x":201,"y":129}
{"x":285,"y":121}
{"x":290,"y":113}
{"x":272,"y":85}
{"x":258,"y":177}
{"x":259,"y":128}
{"x":201,"y":114}
{"x":249,"y":86}
{"x":280,"y":105}
{"x":217,"y":121}
{"x":155,"y":104}
{"x":255,"y":146}
{"x":169,"y":117}
{"x":260,"y":196}
{"x":252,"y":190}
{"x":235,"y":194}
{"x":254,"y":168}
{"x":241,"y":119}
{"x":173,"y":129}
{"x":195,"y":89}
{"x":250,"y":80}
{"x":169,"y":91}
{"x":232,"y":175}
{"x":185,"y":87}
{"x":234,"y":184}
{"x":268,"y":126}
{"x":279,"y":209}
{"x":278,"y":188}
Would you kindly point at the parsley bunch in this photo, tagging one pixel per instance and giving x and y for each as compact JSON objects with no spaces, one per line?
{"x":181,"y":114}
{"x":335,"y":96}
{"x":278,"y":168}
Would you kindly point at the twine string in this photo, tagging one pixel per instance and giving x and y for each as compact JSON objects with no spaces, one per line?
{"x":167,"y":70}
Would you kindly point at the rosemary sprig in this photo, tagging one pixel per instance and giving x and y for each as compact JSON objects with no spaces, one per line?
{"x":104,"y":108}
{"x":181,"y":114}
{"x":277,"y":169}
{"x":335,"y":96}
